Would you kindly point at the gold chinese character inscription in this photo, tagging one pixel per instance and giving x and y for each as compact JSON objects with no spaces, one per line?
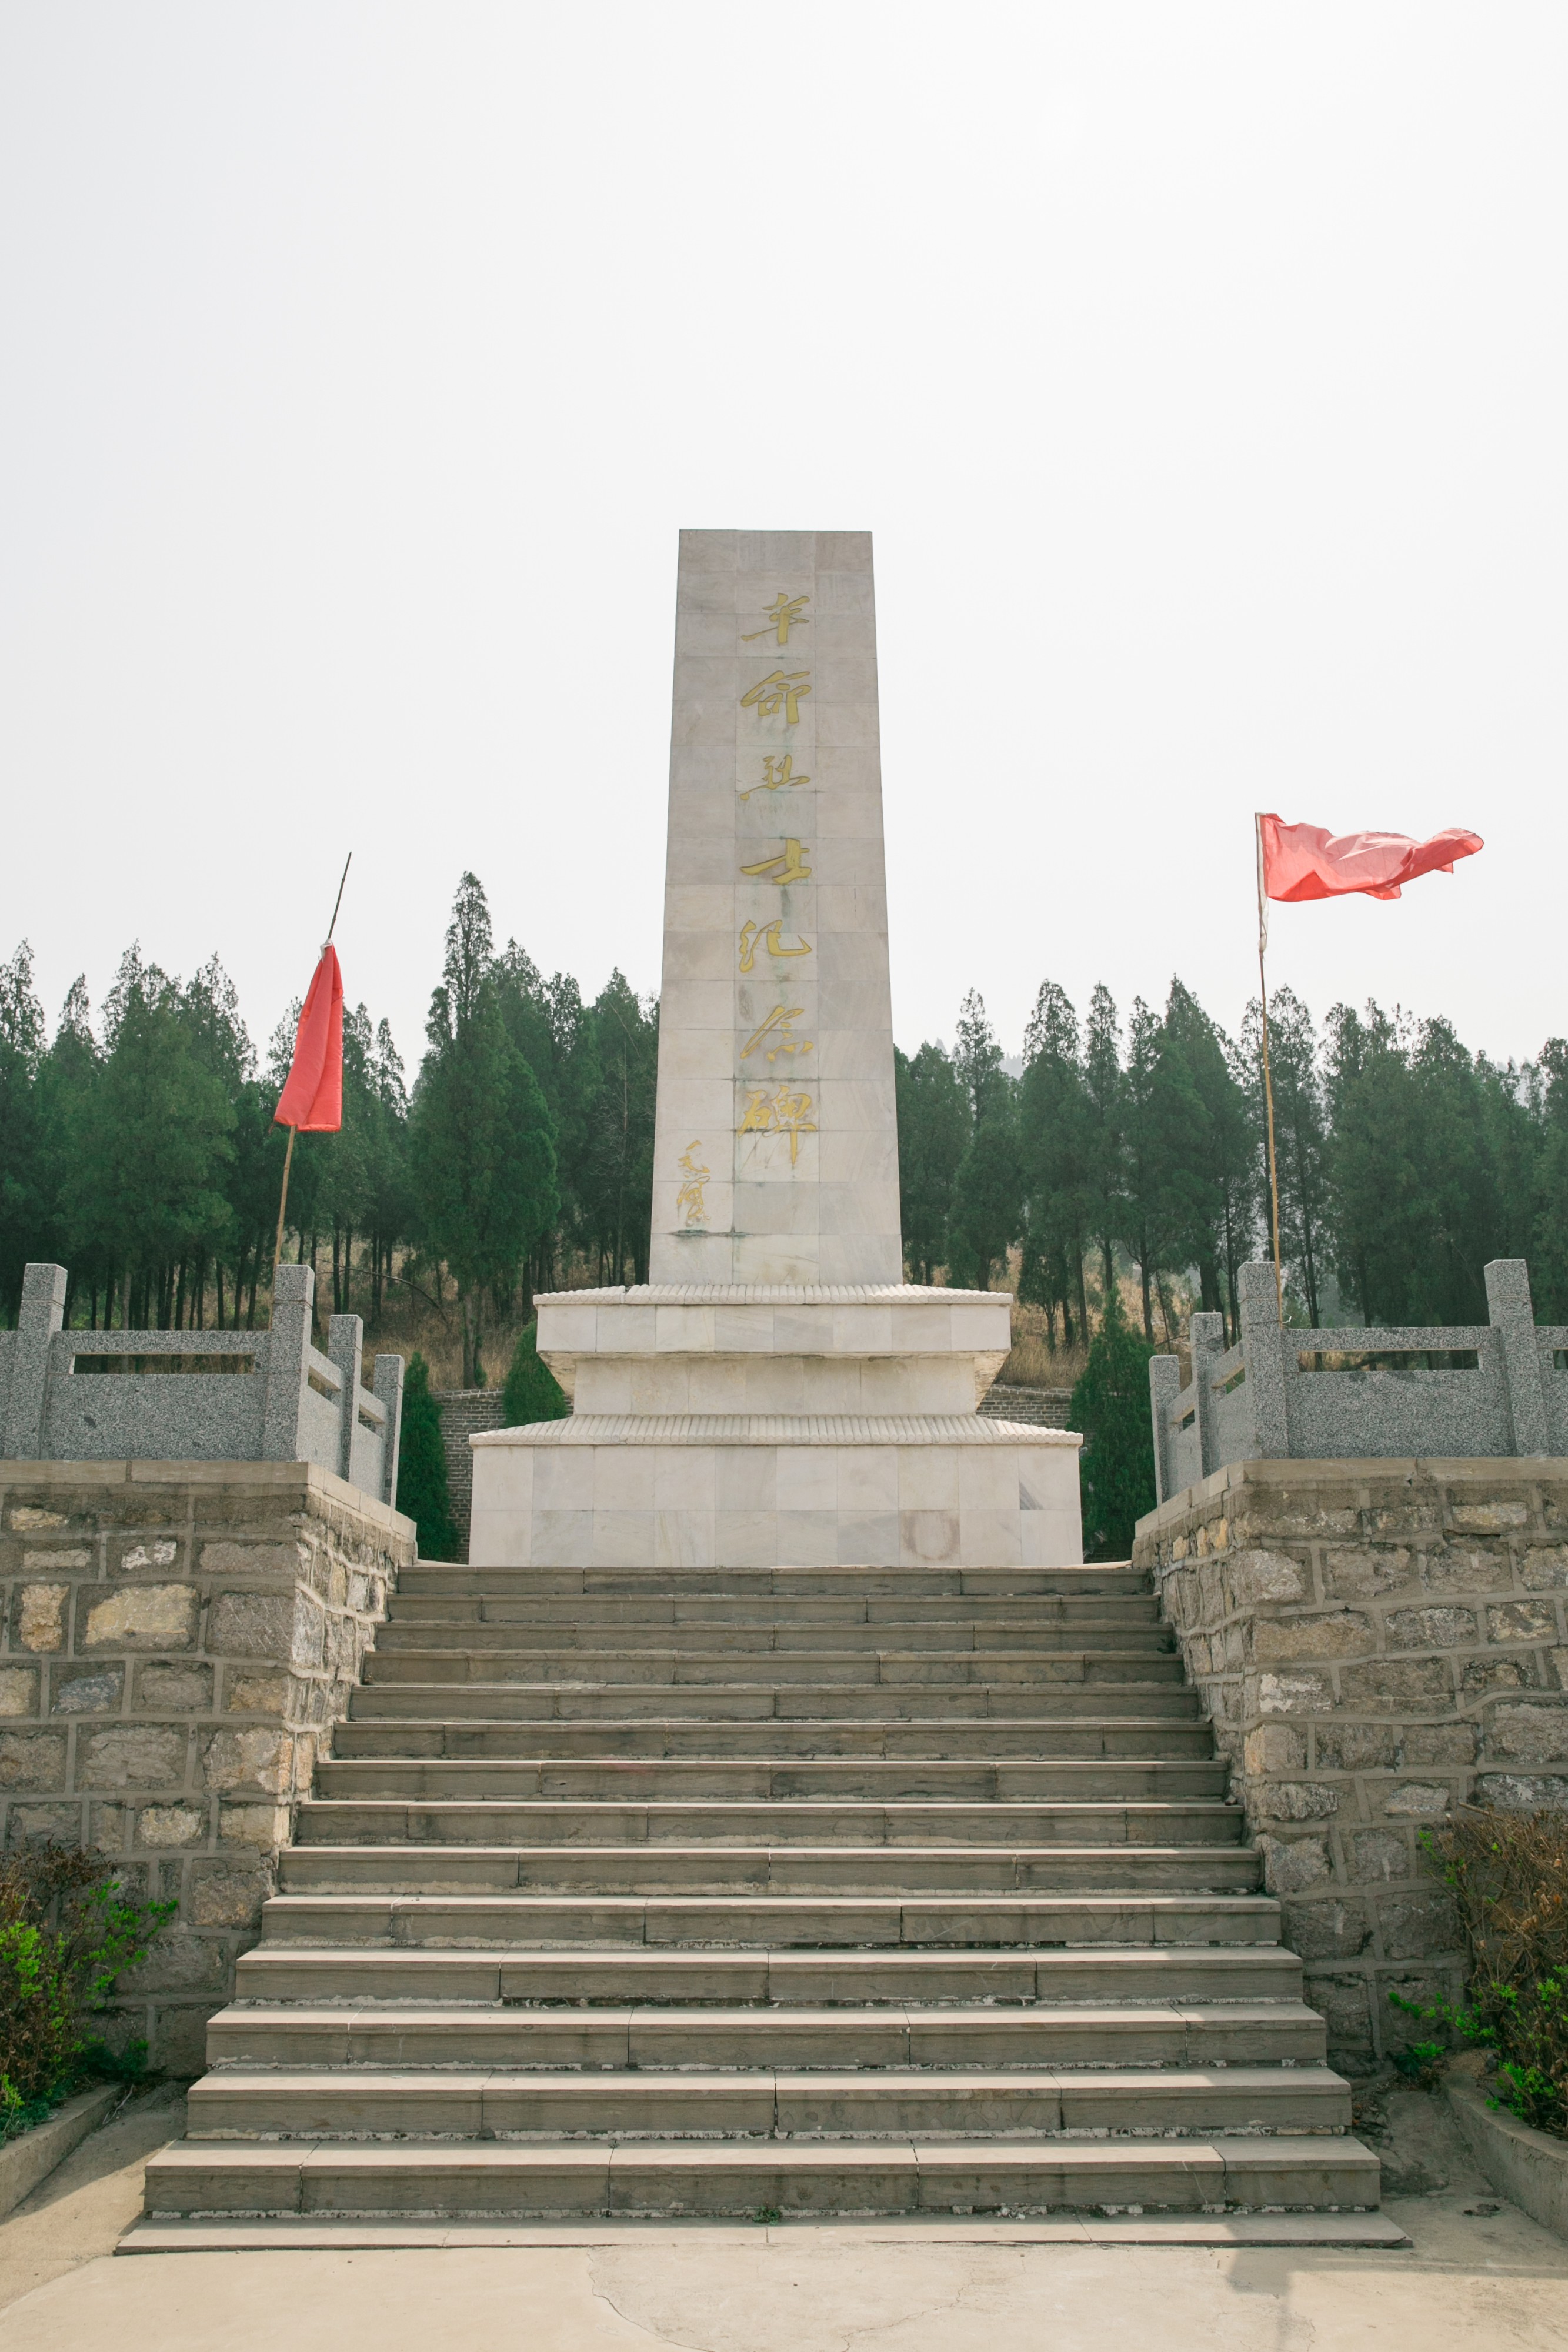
{"x":777,"y":1026}
{"x":783,"y":615}
{"x":773,"y":782}
{"x":768,"y":935}
{"x":785,"y":1113}
{"x":782,"y":690}
{"x":691,"y":1195}
{"x":785,"y":865}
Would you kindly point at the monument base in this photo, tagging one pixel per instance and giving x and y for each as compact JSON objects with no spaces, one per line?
{"x":755,"y":1491}
{"x":919,"y":1480}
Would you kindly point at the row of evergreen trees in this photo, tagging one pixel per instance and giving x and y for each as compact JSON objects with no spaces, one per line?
{"x":1405,"y":1162}
{"x":139,"y":1151}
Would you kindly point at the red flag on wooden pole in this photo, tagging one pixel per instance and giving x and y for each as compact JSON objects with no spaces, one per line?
{"x":312,"y":1095}
{"x":1300,"y":862}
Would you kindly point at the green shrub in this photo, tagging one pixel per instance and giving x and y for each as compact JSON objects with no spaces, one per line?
{"x":533,"y":1391}
{"x":422,"y":1494}
{"x":1509,"y":1875}
{"x":67,"y":1928}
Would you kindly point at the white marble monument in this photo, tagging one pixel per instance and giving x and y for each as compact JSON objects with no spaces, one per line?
{"x":777,"y":1395}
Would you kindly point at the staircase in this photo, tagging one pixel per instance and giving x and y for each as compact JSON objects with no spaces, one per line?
{"x":765,"y":1892}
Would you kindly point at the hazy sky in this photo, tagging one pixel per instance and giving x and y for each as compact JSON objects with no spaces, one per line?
{"x":1200,"y":370}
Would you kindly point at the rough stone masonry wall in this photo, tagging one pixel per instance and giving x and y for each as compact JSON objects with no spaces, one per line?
{"x":179,"y":1640}
{"x":1376,"y":1640}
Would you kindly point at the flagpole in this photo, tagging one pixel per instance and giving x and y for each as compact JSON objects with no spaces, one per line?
{"x":336,"y":902}
{"x":283,"y":1202}
{"x":1268,"y":1078}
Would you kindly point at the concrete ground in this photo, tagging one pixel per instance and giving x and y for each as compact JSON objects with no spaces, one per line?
{"x":1479,"y":2276}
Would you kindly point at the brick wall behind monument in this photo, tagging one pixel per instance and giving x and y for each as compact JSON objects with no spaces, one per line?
{"x":463,"y":1413}
{"x":179,"y":1640}
{"x":1376,"y":1642}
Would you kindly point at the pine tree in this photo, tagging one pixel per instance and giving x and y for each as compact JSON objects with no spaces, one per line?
{"x":533,"y":1391}
{"x":422,"y":1494}
{"x":934,"y":1129}
{"x":1110,"y":1406}
{"x":987,"y":1196}
{"x":21,"y":1053}
{"x":481,"y":1142}
{"x":1054,"y":1147}
{"x":1105,"y":1091}
{"x":987,"y":1213}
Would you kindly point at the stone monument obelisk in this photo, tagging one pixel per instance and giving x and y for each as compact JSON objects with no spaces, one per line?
{"x":776,"y":1395}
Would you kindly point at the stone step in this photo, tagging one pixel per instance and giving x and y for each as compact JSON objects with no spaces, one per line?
{"x":847,"y":1820}
{"x":1212,"y":1884}
{"x":709,"y":1637}
{"x":1169,"y":2033}
{"x":843,"y":2177}
{"x":302,"y":2103}
{"x":770,"y":1780}
{"x":1096,"y":1580}
{"x":998,"y":1669}
{"x":383,"y":1700}
{"x":582,"y":1974}
{"x":1138,"y":1612}
{"x":235,"y":2233}
{"x":659,"y":1737}
{"x":526,"y":1917}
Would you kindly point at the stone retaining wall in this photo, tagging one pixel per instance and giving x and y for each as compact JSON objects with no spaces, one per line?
{"x":180,"y":1637}
{"x":1376,"y":1640}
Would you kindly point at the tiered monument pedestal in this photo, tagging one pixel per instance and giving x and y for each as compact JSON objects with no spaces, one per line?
{"x":776,"y":1426}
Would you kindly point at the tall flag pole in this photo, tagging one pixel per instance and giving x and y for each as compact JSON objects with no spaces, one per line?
{"x":312,"y":1095}
{"x":1268,"y":1077}
{"x":1298,"y":862}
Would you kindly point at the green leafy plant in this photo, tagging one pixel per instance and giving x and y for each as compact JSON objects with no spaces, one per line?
{"x":422,"y":1491}
{"x":532,"y":1392}
{"x":67,"y":1929}
{"x":1509,"y":1876}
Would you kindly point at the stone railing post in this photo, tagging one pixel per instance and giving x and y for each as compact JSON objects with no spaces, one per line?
{"x":1164,"y":1388}
{"x":41,"y":1314}
{"x":1205,"y":1334}
{"x":389,"y":1388}
{"x":1513,"y":1316}
{"x":1263,"y":1343}
{"x":345,"y":1345}
{"x":287,"y":1362}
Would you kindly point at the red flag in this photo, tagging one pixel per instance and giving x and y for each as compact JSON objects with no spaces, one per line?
{"x":312,"y":1097}
{"x":1305,"y":861}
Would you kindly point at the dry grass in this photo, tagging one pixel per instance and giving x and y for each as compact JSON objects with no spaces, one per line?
{"x":1509,"y":1875}
{"x":1032,"y":1364}
{"x":413,"y":1320}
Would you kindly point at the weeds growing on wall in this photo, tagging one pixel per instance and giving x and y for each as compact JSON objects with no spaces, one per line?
{"x":1508,"y":1873}
{"x":68,"y":1929}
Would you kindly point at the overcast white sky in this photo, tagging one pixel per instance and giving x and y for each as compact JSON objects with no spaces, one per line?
{"x":1199,"y":368}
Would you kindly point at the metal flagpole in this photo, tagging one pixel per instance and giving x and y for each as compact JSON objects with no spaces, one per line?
{"x":293,"y":1131}
{"x":1268,"y":1078}
{"x":336,"y":902}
